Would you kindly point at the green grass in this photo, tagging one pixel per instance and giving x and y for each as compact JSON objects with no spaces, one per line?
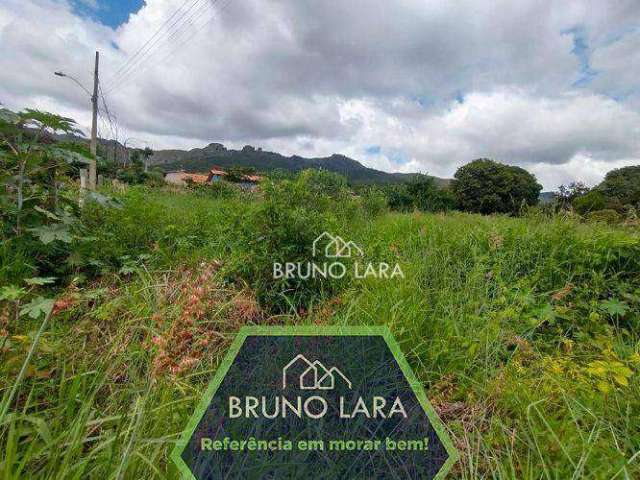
{"x":520,"y":329}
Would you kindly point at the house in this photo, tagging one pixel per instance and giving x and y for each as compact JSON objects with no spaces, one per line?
{"x":182,"y":178}
{"x":247,"y":182}
{"x":216,"y":174}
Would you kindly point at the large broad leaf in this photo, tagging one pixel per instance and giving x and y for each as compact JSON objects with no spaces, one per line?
{"x":50,"y":233}
{"x":12,"y":293}
{"x":38,"y":306}
{"x":49,"y":121}
{"x":614,"y":307}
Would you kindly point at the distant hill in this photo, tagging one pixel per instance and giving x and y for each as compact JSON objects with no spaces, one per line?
{"x":547,"y":197}
{"x":215,"y":154}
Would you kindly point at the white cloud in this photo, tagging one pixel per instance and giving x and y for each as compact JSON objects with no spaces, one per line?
{"x":618,"y":64}
{"x":307,"y":78}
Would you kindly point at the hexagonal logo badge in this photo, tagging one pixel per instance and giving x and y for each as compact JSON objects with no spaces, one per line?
{"x":314,"y":402}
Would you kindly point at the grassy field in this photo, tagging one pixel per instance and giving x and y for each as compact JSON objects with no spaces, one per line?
{"x":523,"y":330}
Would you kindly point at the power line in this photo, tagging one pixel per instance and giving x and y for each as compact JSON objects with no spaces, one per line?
{"x":111,"y":118}
{"x":179,"y":23}
{"x":131,"y":58}
{"x":215,"y":14}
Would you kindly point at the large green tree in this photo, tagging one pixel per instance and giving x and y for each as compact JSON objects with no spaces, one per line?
{"x":622,"y":184}
{"x":486,"y":186}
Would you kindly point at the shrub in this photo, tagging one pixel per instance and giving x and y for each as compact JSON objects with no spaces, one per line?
{"x":589,"y":202}
{"x":154,"y":178}
{"x":486,"y":186}
{"x":428,"y":196}
{"x":323,"y":184}
{"x":131,"y":176}
{"x":568,"y":193}
{"x":606,"y":215}
{"x":421,"y":192}
{"x":283,"y":229}
{"x":38,"y":212}
{"x":221,"y":189}
{"x":398,"y":198}
{"x":374,"y":202}
{"x":623,"y":184}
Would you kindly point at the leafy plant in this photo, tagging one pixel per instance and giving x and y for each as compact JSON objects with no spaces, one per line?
{"x":31,"y":163}
{"x":486,"y":186}
{"x":428,"y":196}
{"x":282,"y":229}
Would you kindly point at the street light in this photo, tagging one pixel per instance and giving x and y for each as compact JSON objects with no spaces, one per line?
{"x":94,"y":120}
{"x":64,"y":75}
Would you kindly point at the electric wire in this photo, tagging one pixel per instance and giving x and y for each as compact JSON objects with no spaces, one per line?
{"x":185,"y":39}
{"x":179,"y":23}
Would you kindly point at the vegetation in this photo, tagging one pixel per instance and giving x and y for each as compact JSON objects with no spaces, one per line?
{"x":216,"y":155}
{"x":542,"y":348}
{"x":486,"y":186}
{"x":114,"y":316}
{"x":590,"y":201}
{"x":237,"y":174}
{"x":623,"y":185}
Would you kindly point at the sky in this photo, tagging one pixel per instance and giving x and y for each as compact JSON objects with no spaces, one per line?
{"x":402,"y":85}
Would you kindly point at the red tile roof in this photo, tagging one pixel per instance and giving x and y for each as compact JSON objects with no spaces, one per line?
{"x":195,"y":177}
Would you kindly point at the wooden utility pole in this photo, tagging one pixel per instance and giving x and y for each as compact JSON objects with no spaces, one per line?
{"x":94,"y":128}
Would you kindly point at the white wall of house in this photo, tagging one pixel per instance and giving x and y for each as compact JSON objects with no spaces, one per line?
{"x":175,"y":178}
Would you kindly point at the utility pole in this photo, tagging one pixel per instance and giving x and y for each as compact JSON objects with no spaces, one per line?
{"x":94,"y":127}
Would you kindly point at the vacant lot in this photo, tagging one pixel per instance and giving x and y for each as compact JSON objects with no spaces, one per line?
{"x":524,"y":332}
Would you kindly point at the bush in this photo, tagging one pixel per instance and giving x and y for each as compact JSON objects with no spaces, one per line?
{"x":154,"y":178}
{"x":398,"y":198}
{"x":606,"y":215}
{"x":323,"y":184}
{"x":486,"y":186}
{"x":623,"y":184}
{"x":589,"y":202}
{"x":283,"y":229}
{"x":421,"y":192}
{"x":38,"y":205}
{"x":374,"y":202}
{"x":428,"y":196}
{"x":131,"y":176}
{"x":220,"y":189}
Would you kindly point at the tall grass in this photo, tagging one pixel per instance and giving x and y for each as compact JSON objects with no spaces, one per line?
{"x":501,"y":318}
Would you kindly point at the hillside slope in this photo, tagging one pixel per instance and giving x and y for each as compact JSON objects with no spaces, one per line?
{"x":215,"y":154}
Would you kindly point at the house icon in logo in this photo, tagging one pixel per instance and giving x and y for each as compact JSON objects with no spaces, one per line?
{"x":336,"y":246}
{"x":309,"y":375}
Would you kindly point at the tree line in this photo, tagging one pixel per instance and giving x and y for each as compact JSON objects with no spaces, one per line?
{"x":488,"y":187}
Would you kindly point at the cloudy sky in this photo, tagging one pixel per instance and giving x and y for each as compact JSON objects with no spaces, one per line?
{"x":400,"y":85}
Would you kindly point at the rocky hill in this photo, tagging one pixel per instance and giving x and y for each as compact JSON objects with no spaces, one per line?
{"x":216,"y":154}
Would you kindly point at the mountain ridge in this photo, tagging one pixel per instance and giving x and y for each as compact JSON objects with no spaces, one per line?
{"x":217,"y":155}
